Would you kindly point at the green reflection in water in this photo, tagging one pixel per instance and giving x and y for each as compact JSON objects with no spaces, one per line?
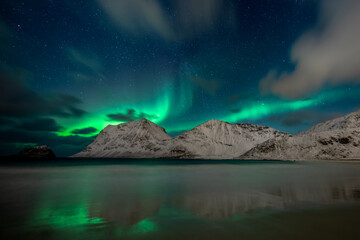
{"x":140,"y":228}
{"x":153,"y":224}
{"x":64,"y":216}
{"x":69,"y":208}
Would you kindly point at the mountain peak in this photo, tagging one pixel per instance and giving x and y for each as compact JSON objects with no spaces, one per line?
{"x":221,"y":140}
{"x":215,"y":121}
{"x":144,"y":120}
{"x":138,"y":122}
{"x":212,"y":122}
{"x":141,"y":138}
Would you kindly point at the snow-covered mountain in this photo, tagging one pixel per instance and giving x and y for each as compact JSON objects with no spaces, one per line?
{"x":216,"y":139}
{"x":334,"y":139}
{"x":144,"y":139}
{"x":137,"y":139}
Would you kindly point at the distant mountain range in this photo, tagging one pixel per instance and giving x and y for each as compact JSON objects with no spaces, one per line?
{"x":335,"y":139}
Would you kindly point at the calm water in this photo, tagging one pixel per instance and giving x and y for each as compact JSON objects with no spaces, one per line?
{"x":165,"y":200}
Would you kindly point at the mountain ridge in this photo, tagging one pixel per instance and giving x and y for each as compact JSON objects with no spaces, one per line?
{"x":338,"y":138}
{"x":213,"y":139}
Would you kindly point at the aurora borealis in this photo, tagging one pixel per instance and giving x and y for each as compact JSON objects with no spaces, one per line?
{"x":69,"y":68}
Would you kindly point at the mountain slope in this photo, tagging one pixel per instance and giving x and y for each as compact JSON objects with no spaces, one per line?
{"x":334,"y":139}
{"x":138,"y":139}
{"x":216,"y":139}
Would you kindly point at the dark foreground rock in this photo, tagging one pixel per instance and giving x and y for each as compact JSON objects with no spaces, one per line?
{"x":37,"y":152}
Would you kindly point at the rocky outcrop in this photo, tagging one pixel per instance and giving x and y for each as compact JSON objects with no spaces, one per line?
{"x":37,"y":152}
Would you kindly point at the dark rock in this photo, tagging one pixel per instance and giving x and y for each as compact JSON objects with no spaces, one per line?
{"x":37,"y":152}
{"x":325,"y":141}
{"x":344,"y":140}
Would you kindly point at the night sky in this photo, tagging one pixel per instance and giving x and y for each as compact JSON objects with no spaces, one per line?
{"x":69,"y":68}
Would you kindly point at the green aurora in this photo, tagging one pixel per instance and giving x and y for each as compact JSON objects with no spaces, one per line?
{"x":163,"y":106}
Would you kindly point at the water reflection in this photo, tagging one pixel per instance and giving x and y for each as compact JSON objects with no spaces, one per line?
{"x":215,"y":206}
{"x":63,"y":216}
{"x":130,"y":201}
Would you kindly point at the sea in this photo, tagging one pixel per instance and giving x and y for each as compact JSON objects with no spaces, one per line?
{"x":179,"y":199}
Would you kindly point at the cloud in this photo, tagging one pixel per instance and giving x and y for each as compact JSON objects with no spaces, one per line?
{"x":87,"y":130}
{"x":89,"y":67}
{"x":17,"y":99}
{"x":329,"y":54}
{"x":13,"y":140}
{"x":198,"y":16}
{"x":179,"y":19}
{"x":235,"y":98}
{"x":6,"y":122}
{"x":210,"y":86}
{"x":41,"y":124}
{"x":87,"y":60}
{"x":303,"y":117}
{"x":130,"y":115}
{"x":137,"y":16}
{"x":242,"y":98}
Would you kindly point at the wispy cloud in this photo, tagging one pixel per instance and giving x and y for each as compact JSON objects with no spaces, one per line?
{"x":130,"y":115}
{"x":209,"y":85}
{"x":41,"y":124}
{"x":89,"y":67}
{"x":87,"y":60}
{"x":329,"y":54}
{"x":84,"y":131}
{"x":137,"y":16}
{"x":303,"y":117}
{"x":18,"y":100}
{"x":180,"y":19}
